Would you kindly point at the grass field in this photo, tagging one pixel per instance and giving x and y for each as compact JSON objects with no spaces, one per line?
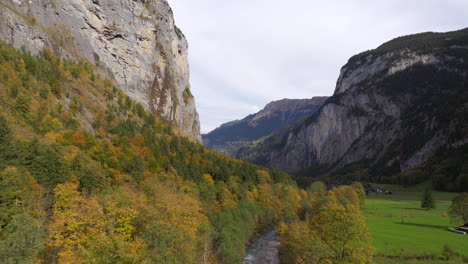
{"x":399,"y":227}
{"x":413,"y":193}
{"x":397,"y":261}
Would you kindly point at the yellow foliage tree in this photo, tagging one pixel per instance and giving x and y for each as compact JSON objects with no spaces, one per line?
{"x":76,"y":221}
{"x":335,"y":231}
{"x":224,"y":197}
{"x":290,"y":201}
{"x":263,"y":177}
{"x":301,"y":245}
{"x":269,"y":202}
{"x":346,"y":195}
{"x":342,"y":227}
{"x":175,"y":232}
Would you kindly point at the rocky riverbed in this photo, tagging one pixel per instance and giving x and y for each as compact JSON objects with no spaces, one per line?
{"x":263,"y":250}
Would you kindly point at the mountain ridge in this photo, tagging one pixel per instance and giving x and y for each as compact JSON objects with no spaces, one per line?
{"x":274,"y":116}
{"x":393,"y":107}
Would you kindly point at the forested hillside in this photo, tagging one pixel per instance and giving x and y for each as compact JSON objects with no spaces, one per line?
{"x":88,"y":176}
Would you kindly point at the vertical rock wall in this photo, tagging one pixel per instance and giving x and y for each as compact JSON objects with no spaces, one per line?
{"x":136,"y":41}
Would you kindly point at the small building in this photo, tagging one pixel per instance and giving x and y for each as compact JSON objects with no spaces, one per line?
{"x":370,"y":191}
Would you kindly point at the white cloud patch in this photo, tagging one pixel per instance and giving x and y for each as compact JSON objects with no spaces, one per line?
{"x":246,"y":53}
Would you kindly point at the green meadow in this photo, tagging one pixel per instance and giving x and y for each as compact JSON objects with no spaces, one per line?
{"x":398,"y":261}
{"x":413,"y":193}
{"x":400,"y":228}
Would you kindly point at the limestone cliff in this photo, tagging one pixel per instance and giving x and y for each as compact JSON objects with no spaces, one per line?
{"x":393,"y":107}
{"x":136,"y":41}
{"x":276,"y":115}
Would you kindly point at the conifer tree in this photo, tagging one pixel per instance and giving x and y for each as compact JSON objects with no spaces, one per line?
{"x":427,"y":200}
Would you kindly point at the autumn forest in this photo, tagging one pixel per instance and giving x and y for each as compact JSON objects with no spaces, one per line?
{"x":88,"y":176}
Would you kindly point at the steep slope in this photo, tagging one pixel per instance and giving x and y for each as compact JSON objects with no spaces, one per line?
{"x":229,"y":137}
{"x":136,"y":41}
{"x":88,"y":176}
{"x":393,"y":107}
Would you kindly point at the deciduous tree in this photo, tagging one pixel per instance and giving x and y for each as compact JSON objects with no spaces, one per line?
{"x":343,"y":229}
{"x":76,"y":221}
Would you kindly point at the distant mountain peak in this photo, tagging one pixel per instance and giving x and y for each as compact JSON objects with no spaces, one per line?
{"x":286,"y":104}
{"x":274,"y":116}
{"x":393,"y":108}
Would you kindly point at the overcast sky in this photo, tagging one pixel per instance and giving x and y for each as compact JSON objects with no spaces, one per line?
{"x":246,"y":53}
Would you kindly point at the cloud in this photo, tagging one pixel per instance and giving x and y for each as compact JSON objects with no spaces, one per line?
{"x":246,"y":53}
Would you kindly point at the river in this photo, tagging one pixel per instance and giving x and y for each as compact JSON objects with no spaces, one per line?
{"x":263,"y":250}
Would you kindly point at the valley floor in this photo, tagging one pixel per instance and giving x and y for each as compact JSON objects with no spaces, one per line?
{"x":399,"y":261}
{"x":400,"y":228}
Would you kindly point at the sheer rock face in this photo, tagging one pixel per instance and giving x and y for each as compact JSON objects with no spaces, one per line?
{"x":390,"y":110}
{"x":136,"y":41}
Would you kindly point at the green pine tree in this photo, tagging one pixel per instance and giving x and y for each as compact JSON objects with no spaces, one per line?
{"x":427,"y":200}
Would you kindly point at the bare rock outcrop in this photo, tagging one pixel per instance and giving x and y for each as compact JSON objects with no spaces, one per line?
{"x":393,"y":107}
{"x":136,"y":41}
